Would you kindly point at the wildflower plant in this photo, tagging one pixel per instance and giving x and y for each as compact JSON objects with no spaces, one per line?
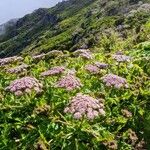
{"x":24,"y":85}
{"x":69,"y":82}
{"x":121,"y":58}
{"x":85,"y":106}
{"x":115,"y":81}
{"x":92,"y":69}
{"x":18,"y":69}
{"x":101,"y":65}
{"x":8,"y":60}
{"x":54,"y":71}
{"x":63,"y":112}
{"x":84,"y":53}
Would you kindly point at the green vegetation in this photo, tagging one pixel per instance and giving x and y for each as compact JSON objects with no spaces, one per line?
{"x":74,"y":24}
{"x":117,"y":34}
{"x":34,"y":121}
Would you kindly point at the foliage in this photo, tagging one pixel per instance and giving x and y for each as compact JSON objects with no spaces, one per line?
{"x":35,"y":120}
{"x":74,"y":24}
{"x":113,"y":74}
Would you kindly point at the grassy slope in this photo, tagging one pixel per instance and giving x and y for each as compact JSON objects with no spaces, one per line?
{"x":33,"y":28}
{"x":26,"y":123}
{"x":78,"y":24}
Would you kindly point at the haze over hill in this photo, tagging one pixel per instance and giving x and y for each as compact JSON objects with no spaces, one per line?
{"x":18,"y":8}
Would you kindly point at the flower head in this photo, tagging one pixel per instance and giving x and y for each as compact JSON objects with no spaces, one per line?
{"x":126,"y":113}
{"x":54,"y":71}
{"x":18,"y":69}
{"x":24,"y":85}
{"x":114,"y":80}
{"x":55,"y":53}
{"x":38,"y":57}
{"x":92,"y":69}
{"x":42,"y":110}
{"x":132,"y":136}
{"x":101,"y":65}
{"x":141,"y":145}
{"x":85,"y":106}
{"x":80,"y":51}
{"x":119,"y":53}
{"x":84,"y":53}
{"x":121,"y":58}
{"x":112,"y":145}
{"x":70,"y":82}
{"x":144,"y":7}
{"x":8,"y":60}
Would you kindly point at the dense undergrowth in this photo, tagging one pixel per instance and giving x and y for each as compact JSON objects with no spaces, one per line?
{"x":35,"y":119}
{"x":74,"y":24}
{"x":92,"y":99}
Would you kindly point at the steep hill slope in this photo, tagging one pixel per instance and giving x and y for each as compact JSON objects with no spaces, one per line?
{"x":81,"y":101}
{"x":7,"y":25}
{"x":75,"y":24}
{"x":84,"y":99}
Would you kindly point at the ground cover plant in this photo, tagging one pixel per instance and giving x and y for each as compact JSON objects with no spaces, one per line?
{"x":95,"y":103}
{"x":77,"y":76}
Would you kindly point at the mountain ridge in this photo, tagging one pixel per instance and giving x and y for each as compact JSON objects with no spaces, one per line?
{"x":79,"y":78}
{"x":70,"y":25}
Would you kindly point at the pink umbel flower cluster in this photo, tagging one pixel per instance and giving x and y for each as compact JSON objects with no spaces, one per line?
{"x":69,"y":82}
{"x":79,"y":51}
{"x":119,"y":53}
{"x":55,"y":53}
{"x":84,"y":53}
{"x":121,"y":58}
{"x":5,"y":61}
{"x":115,"y":81}
{"x":54,"y":71}
{"x":85,"y":106}
{"x":92,"y":69}
{"x":18,"y":69}
{"x":38,"y":57}
{"x":144,"y":7}
{"x":101,"y":65}
{"x":25,"y":85}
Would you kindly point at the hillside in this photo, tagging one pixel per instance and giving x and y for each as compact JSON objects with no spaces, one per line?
{"x":74,"y":24}
{"x":7,"y":25}
{"x":77,"y":77}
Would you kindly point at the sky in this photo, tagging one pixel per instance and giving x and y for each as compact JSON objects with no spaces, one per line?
{"x":10,"y":9}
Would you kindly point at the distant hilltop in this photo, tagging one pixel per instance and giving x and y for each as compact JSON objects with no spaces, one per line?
{"x":75,"y":24}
